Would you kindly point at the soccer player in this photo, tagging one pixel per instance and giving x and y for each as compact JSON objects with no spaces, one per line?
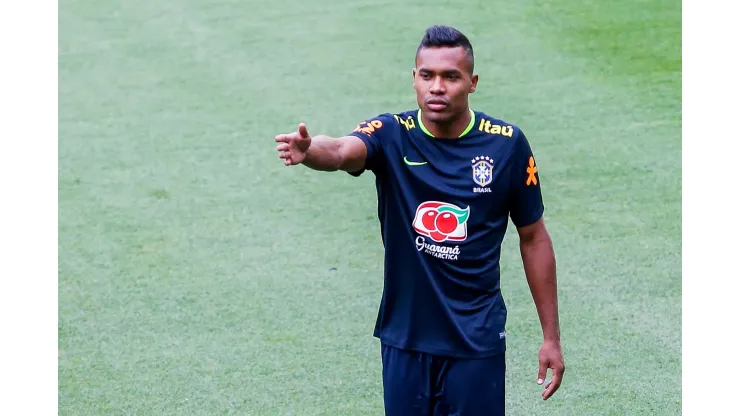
{"x":448,"y":178}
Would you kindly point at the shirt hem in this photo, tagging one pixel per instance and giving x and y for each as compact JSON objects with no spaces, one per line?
{"x":498,"y":349}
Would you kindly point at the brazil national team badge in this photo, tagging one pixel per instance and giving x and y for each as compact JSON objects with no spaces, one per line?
{"x":482,"y":173}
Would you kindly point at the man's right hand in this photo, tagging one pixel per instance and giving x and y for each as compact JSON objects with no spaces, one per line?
{"x":293,"y":146}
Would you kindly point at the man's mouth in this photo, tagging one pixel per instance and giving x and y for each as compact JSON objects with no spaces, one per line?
{"x":437,"y":104}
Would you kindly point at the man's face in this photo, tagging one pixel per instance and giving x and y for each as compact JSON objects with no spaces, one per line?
{"x":443,"y":80}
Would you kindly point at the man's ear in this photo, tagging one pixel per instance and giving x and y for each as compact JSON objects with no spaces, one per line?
{"x":474,"y":84}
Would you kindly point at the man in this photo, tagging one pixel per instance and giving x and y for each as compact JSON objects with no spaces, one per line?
{"x":447,"y":178}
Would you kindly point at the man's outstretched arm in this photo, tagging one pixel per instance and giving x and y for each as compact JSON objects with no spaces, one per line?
{"x":322,"y":153}
{"x":538,"y":258}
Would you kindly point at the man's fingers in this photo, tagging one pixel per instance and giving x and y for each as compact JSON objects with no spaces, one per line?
{"x":545,"y":391}
{"x":297,"y":142}
{"x":542,"y":372}
{"x":303,"y":131}
{"x":554,"y":384}
{"x":552,"y":387}
{"x":286,"y":138}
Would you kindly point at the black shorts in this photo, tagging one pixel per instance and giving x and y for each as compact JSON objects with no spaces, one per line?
{"x":420,"y":384}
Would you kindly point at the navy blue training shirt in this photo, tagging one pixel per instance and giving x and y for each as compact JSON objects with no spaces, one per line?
{"x":444,"y":205}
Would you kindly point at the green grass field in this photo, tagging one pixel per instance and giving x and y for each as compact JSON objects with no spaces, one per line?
{"x":199,"y":276}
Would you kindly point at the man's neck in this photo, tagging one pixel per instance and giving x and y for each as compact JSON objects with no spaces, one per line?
{"x":454,"y":129}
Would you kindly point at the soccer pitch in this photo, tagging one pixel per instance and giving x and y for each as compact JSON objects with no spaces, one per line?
{"x":198,"y":275}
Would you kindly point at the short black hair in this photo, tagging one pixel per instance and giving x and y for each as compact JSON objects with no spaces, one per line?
{"x":446,"y":36}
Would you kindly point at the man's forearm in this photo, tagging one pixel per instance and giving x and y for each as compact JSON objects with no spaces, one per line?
{"x":323,"y":154}
{"x":538,"y":257}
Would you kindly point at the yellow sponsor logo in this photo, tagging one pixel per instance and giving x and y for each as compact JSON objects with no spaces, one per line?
{"x":408,"y":123}
{"x":368,"y":127}
{"x":488,"y":127}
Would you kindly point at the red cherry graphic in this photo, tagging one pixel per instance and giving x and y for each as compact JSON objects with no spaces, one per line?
{"x":446,"y":223}
{"x":428,"y":219}
{"x":438,"y":237}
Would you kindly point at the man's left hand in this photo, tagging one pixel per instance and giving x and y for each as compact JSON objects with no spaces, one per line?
{"x":551,"y":356}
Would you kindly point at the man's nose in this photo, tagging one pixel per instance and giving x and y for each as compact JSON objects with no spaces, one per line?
{"x":437,"y":86}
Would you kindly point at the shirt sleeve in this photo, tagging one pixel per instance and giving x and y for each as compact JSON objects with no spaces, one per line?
{"x":374,"y":133}
{"x":526,"y":206}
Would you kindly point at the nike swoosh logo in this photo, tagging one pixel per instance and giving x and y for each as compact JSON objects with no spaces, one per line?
{"x":410,"y":163}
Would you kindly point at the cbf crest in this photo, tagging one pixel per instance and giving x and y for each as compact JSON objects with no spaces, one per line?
{"x":482,"y":173}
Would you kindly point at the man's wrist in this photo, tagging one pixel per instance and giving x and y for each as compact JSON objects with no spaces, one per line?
{"x":552,"y":338}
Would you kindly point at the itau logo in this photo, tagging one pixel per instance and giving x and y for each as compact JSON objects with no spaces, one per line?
{"x":441,"y":221}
